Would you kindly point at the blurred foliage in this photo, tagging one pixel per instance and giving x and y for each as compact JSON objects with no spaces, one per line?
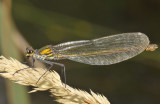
{"x":8,"y":48}
{"x":135,"y":81}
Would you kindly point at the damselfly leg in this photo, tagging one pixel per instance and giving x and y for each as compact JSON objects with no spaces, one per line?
{"x":33,"y":60}
{"x":53,"y":63}
{"x":47,"y":62}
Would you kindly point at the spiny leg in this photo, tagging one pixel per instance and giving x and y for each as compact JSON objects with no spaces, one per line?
{"x":63,"y":71}
{"x":52,"y":63}
{"x":44,"y":74}
{"x":20,"y":70}
{"x":41,"y":76}
{"x":33,"y":60}
{"x":62,"y":65}
{"x":62,"y":74}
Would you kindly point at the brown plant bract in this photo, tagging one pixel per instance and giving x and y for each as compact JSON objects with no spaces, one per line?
{"x":50,"y":81}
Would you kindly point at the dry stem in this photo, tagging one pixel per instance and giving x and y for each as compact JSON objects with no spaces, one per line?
{"x":50,"y":81}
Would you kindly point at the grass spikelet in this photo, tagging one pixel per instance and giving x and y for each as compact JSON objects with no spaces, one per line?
{"x":50,"y":81}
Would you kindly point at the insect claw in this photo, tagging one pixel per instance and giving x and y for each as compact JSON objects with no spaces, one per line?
{"x":16,"y":72}
{"x":37,"y":81}
{"x":34,"y":69}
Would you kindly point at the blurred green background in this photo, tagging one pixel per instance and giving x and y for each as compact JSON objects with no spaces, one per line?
{"x":135,"y":81}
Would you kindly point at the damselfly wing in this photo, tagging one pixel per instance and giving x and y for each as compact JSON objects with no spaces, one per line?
{"x":103,"y":51}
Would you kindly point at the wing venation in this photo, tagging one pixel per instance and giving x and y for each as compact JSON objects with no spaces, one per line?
{"x":105,"y":50}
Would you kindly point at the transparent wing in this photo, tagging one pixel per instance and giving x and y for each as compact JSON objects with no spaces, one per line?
{"x":105,"y":50}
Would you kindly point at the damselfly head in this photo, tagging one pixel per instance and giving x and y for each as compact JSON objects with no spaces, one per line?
{"x":29,"y":52}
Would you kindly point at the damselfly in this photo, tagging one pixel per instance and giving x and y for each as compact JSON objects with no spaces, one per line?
{"x":101,"y":51}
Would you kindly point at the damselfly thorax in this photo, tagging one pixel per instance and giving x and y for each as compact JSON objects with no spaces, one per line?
{"x":47,"y":53}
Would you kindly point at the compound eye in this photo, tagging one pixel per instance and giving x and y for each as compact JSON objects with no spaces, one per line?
{"x":29,"y":50}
